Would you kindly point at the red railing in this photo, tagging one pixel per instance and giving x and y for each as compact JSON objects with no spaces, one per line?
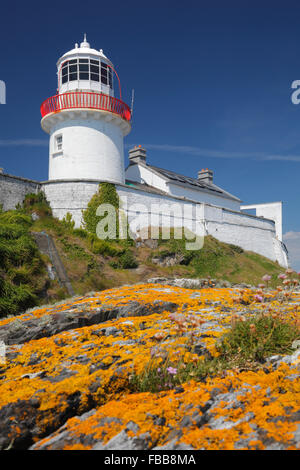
{"x":82,"y":99}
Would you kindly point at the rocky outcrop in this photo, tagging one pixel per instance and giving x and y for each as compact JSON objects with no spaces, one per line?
{"x":21,"y":331}
{"x":189,"y":283}
{"x":66,"y":382}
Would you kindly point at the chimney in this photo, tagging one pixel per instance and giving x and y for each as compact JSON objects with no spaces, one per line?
{"x":206,"y":176}
{"x":137,"y":155}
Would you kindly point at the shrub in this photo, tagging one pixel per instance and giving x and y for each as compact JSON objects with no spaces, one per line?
{"x":15,"y":298}
{"x":80,"y":232}
{"x":15,"y":218}
{"x":125,"y":261}
{"x":75,"y":251}
{"x":20,"y":262}
{"x":106,"y":194}
{"x":11,"y":231}
{"x":37,"y":203}
{"x":102,"y":247}
{"x":256,"y":338}
{"x":68,"y":221}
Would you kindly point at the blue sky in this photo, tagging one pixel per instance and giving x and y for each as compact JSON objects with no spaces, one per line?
{"x":212,"y":83}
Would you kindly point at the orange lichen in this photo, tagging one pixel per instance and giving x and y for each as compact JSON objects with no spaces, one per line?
{"x":96,"y":369}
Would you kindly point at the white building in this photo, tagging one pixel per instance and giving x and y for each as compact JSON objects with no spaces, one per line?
{"x":87,"y":124}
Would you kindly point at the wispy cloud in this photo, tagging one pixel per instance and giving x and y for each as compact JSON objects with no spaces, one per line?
{"x":201,"y":152}
{"x":292,"y":241}
{"x":24,"y":143}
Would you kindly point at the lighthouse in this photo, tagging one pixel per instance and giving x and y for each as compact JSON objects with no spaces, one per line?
{"x":86,"y":122}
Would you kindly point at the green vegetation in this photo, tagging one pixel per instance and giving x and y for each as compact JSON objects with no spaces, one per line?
{"x":95,"y":264}
{"x":36,"y":203}
{"x":219,"y":261}
{"x":246,"y":346}
{"x":126,"y":260}
{"x":21,"y":266}
{"x":106,"y":194}
{"x":256,"y":338}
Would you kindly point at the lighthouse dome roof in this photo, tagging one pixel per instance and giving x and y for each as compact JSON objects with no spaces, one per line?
{"x":84,"y":49}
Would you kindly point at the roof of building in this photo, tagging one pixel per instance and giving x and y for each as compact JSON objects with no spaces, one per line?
{"x":146,"y":187}
{"x":189,"y":182}
{"x":84,"y":49}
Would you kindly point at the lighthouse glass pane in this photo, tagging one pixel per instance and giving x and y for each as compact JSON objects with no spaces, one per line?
{"x":83,"y":61}
{"x":83,"y":67}
{"x":73,"y":61}
{"x":65,"y":70}
{"x":95,"y":77}
{"x":94,"y":68}
{"x":73,"y":68}
{"x":65,"y":79}
{"x":73,"y":76}
{"x":95,"y":62}
{"x":84,"y":76}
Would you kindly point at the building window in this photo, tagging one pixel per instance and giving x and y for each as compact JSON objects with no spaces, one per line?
{"x":86,"y":69}
{"x":58,"y":143}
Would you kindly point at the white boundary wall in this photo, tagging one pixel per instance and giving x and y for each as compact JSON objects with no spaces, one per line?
{"x":249,"y":232}
{"x":271,"y":210}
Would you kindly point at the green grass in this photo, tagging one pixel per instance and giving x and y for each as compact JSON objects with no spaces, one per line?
{"x":221,"y":261}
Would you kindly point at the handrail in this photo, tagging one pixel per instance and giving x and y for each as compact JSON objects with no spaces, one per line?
{"x":84,"y":99}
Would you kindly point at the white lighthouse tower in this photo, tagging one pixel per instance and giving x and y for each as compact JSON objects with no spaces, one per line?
{"x":85,"y":121}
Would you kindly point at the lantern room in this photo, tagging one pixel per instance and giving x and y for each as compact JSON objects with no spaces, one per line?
{"x":83,"y":68}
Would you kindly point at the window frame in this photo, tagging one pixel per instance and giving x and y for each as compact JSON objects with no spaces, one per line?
{"x":94,"y":70}
{"x":58,"y":143}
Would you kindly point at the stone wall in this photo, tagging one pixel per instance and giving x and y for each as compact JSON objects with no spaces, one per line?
{"x":13,"y":190}
{"x":70,"y":196}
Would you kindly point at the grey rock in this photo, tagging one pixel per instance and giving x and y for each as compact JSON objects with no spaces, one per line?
{"x":19,"y":332}
{"x":173,"y":445}
{"x":297,"y":435}
{"x":132,"y":426}
{"x":275,"y":446}
{"x":110,"y":330}
{"x":54,"y":442}
{"x":292,"y":359}
{"x":186,"y":421}
{"x":123,"y":442}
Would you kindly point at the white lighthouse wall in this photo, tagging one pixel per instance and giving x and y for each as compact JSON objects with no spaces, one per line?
{"x":91,"y":149}
{"x":249,"y":232}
